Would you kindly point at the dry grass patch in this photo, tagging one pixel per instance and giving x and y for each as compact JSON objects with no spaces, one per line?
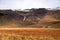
{"x":5,"y":36}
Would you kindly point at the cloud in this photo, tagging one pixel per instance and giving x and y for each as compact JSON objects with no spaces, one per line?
{"x":32,"y":4}
{"x":25,"y":4}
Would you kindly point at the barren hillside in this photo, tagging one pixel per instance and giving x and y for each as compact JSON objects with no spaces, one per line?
{"x":33,"y":17}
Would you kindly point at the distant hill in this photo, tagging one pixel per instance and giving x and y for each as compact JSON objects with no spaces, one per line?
{"x":39,"y":17}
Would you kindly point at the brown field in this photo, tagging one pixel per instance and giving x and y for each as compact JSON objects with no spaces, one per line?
{"x":29,"y":34}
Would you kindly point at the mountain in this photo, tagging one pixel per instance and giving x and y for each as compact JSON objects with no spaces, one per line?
{"x":33,"y":17}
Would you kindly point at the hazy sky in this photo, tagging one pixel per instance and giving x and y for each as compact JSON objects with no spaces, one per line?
{"x":27,"y":4}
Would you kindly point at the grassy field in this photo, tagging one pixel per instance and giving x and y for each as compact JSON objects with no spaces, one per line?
{"x":23,"y":37}
{"x":29,"y":34}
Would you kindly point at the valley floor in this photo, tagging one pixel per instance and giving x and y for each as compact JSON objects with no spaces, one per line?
{"x":29,"y":34}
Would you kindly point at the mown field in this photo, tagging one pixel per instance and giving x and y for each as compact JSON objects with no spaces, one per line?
{"x":29,"y":34}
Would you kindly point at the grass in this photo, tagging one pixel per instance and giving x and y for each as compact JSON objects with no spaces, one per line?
{"x":23,"y":37}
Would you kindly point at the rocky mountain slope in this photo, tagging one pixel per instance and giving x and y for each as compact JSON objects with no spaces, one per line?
{"x":37,"y":17}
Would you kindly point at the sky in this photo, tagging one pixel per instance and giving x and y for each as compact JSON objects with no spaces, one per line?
{"x":28,"y":4}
